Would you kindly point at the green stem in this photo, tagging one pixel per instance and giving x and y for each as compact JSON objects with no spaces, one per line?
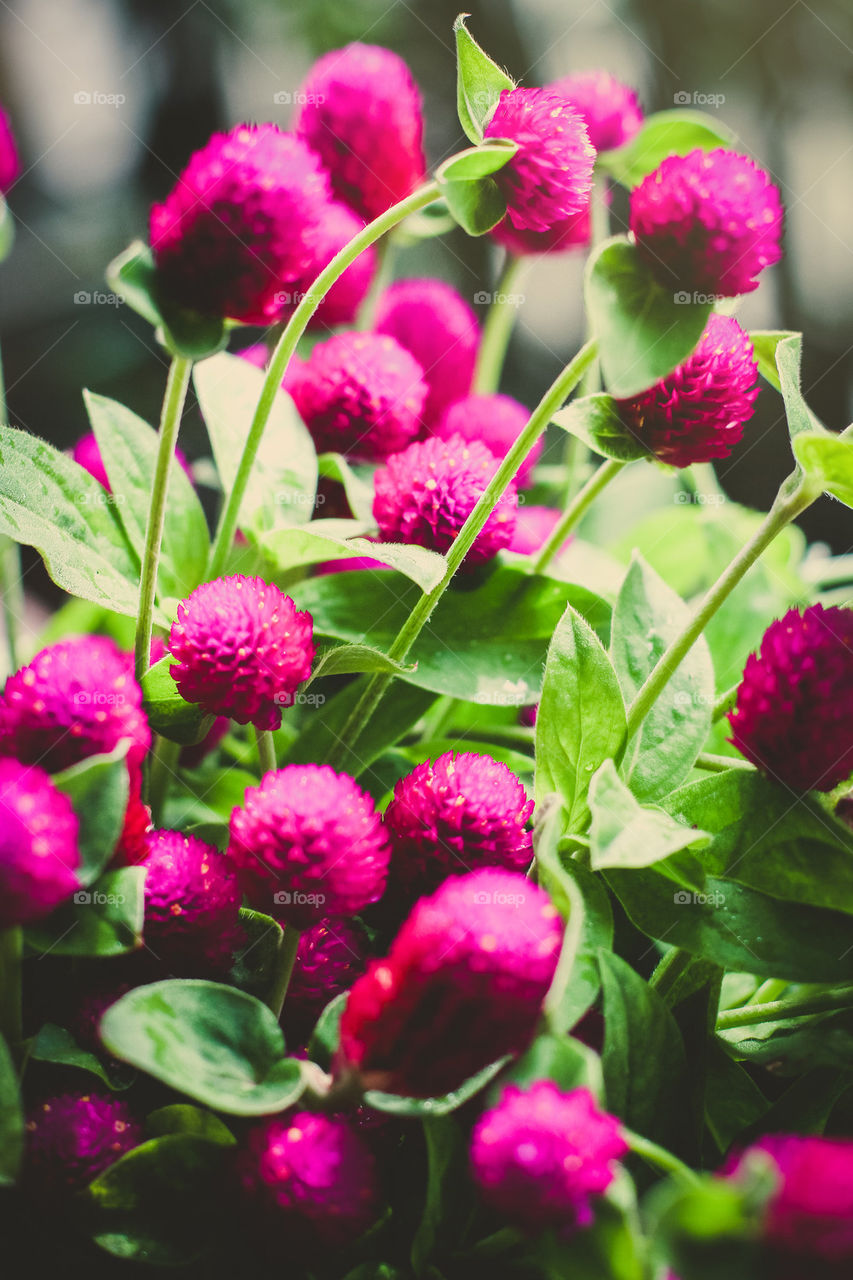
{"x":170,"y":421}
{"x":659,"y":1157}
{"x":718,"y":764}
{"x":777,"y":1010}
{"x":786,"y":507}
{"x":284,"y":962}
{"x":576,"y":509}
{"x":670,"y":970}
{"x":499,"y":325}
{"x":11,"y":1022}
{"x":266,"y":751}
{"x":770,"y":990}
{"x":724,"y":703}
{"x":382,"y":277}
{"x":10,"y":567}
{"x":163,"y":767}
{"x":576,"y":454}
{"x":284,"y":350}
{"x":553,"y":399}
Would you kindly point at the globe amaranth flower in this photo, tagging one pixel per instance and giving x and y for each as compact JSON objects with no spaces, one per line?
{"x":360,"y":393}
{"x":533,"y":527}
{"x":331,"y":955}
{"x":462,"y":985}
{"x":440,"y":329}
{"x":541,"y":1156}
{"x":453,"y":815}
{"x":550,"y":176}
{"x":72,"y":1138}
{"x":10,"y":164}
{"x":308,"y":843}
{"x":708,"y":222}
{"x":698,"y":411}
{"x":360,"y":110}
{"x":794,"y":704}
{"x":425,"y":494}
{"x":39,"y":854}
{"x":338,"y":225}
{"x":496,"y":421}
{"x":241,"y":649}
{"x":308,"y":1182}
{"x":87,"y":454}
{"x":574,"y":232}
{"x":76,"y":699}
{"x":608,"y":108}
{"x":192,"y":901}
{"x":237,"y":235}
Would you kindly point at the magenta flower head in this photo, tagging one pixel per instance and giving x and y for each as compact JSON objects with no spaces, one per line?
{"x":72,"y":1138}
{"x":241,"y":649}
{"x":794,"y":704}
{"x":361,"y":112}
{"x":533,"y":526}
{"x":708,"y":222}
{"x":541,"y":1156}
{"x":39,"y":856}
{"x":497,"y":421}
{"x":308,"y":843}
{"x":462,"y":985}
{"x":550,"y":176}
{"x":608,"y":108}
{"x":337,"y":226}
{"x":88,"y":455}
{"x":698,"y":411}
{"x":440,"y":329}
{"x":192,"y":901}
{"x":236,"y":236}
{"x":331,"y":955}
{"x":572,"y":233}
{"x":425,"y":494}
{"x":360,"y":393}
{"x":455,"y":815}
{"x":10,"y":164}
{"x":308,"y":1181}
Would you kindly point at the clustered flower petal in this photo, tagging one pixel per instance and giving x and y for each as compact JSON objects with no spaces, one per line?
{"x":241,"y":649}
{"x":338,"y":225}
{"x":708,"y":222}
{"x":570,"y":233}
{"x":794,"y":706}
{"x":540,"y":1156}
{"x":425,"y":494}
{"x":72,"y":1138}
{"x":608,"y":108}
{"x":698,"y":411}
{"x":192,"y":901}
{"x":462,"y":985}
{"x":497,"y":421}
{"x":533,"y":526}
{"x":550,"y":176}
{"x":331,"y":955}
{"x":308,"y":843}
{"x":360,"y":112}
{"x":39,"y":855}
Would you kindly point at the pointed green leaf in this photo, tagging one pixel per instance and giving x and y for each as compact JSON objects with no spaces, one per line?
{"x":596,"y":421}
{"x":103,"y":920}
{"x":477,"y":162}
{"x":133,"y":276}
{"x":168,"y":713}
{"x":97,"y":788}
{"x":828,"y":461}
{"x":625,"y":833}
{"x":479,"y":82}
{"x":477,"y":205}
{"x":665,"y":133}
{"x":11,"y":1119}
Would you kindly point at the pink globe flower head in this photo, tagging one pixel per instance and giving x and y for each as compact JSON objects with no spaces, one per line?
{"x":698,"y":411}
{"x":192,"y":901}
{"x":360,"y":111}
{"x":308,"y":843}
{"x":550,"y":176}
{"x":454,"y":815}
{"x":10,"y":164}
{"x":533,"y":526}
{"x":541,"y":1156}
{"x":608,"y":108}
{"x":257,"y":354}
{"x":574,"y":232}
{"x":331,"y":955}
{"x":462,"y":986}
{"x":72,"y":1138}
{"x":495,"y":420}
{"x":237,"y":235}
{"x":88,"y":455}
{"x":361,"y":394}
{"x":425,"y":494}
{"x":241,"y":649}
{"x":39,"y":855}
{"x":338,"y":225}
{"x":309,"y":1180}
{"x":708,"y":222}
{"x":795,"y":702}
{"x":440,"y":329}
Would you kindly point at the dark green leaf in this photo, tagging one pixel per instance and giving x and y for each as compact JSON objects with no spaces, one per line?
{"x":11,"y":1119}
{"x":447,"y":1183}
{"x":610,"y":1249}
{"x":733,"y":1101}
{"x":665,"y":133}
{"x":476,"y":162}
{"x":55,"y":1044}
{"x":568,"y":1062}
{"x":326,"y":1035}
{"x":168,"y":713}
{"x":624,"y":833}
{"x":182,"y":1118}
{"x":254,"y":962}
{"x":104,"y":919}
{"x":7,"y":230}
{"x":338,"y":540}
{"x":479,"y":83}
{"x":795,"y":1045}
{"x":396,"y":1105}
{"x":477,"y":205}
{"x":97,"y":788}
{"x":134,"y":278}
{"x":596,"y":421}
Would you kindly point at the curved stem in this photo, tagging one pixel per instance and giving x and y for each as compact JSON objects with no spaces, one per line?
{"x":718,"y":764}
{"x":659,"y":1157}
{"x":793,"y":1007}
{"x":284,"y":962}
{"x":170,"y":421}
{"x":285,"y":349}
{"x":725,"y":703}
{"x":576,"y":509}
{"x":553,"y":399}
{"x":670,"y":970}
{"x":163,"y":767}
{"x":266,"y":751}
{"x":497,"y":330}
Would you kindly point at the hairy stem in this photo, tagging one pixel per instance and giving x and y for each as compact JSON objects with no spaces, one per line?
{"x":575,"y":511}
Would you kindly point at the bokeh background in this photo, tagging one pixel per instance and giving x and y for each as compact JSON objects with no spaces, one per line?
{"x":109,"y":97}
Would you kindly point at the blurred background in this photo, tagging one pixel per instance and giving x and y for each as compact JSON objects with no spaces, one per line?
{"x":108,"y":98}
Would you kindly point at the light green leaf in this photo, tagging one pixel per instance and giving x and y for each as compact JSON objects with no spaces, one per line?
{"x":11,"y":1119}
{"x":665,"y":133}
{"x":828,"y":461}
{"x":479,"y":82}
{"x":97,"y":788}
{"x":596,"y":421}
{"x":7,"y":230}
{"x":168,"y":713}
{"x":476,"y":162}
{"x":332,"y":540}
{"x":359,"y":492}
{"x":625,"y":833}
{"x":477,"y":205}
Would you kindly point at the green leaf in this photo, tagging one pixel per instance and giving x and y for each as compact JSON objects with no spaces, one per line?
{"x":11,"y":1119}
{"x":326,"y":1035}
{"x":644,"y":328}
{"x":581,"y":717}
{"x":733,"y":1102}
{"x":828,"y":461}
{"x":7,"y":230}
{"x":214,"y":1043}
{"x":133,"y":277}
{"x":331,"y":540}
{"x":788,"y":356}
{"x":477,"y":205}
{"x":129,"y":451}
{"x":351,"y":659}
{"x":665,"y":133}
{"x":624,"y":833}
{"x":359,"y":493}
{"x":283,"y":483}
{"x":396,"y":1105}
{"x":764,"y":344}
{"x":568,"y":1062}
{"x":168,"y":713}
{"x":180,"y":1117}
{"x":49,"y":502}
{"x":595,"y":420}
{"x":104,"y":919}
{"x":447,"y":1181}
{"x":479,"y":83}
{"x":647,"y":618}
{"x":55,"y":1044}
{"x":97,"y":788}
{"x":476,"y":162}
{"x":254,"y":963}
{"x":795,"y":1045}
